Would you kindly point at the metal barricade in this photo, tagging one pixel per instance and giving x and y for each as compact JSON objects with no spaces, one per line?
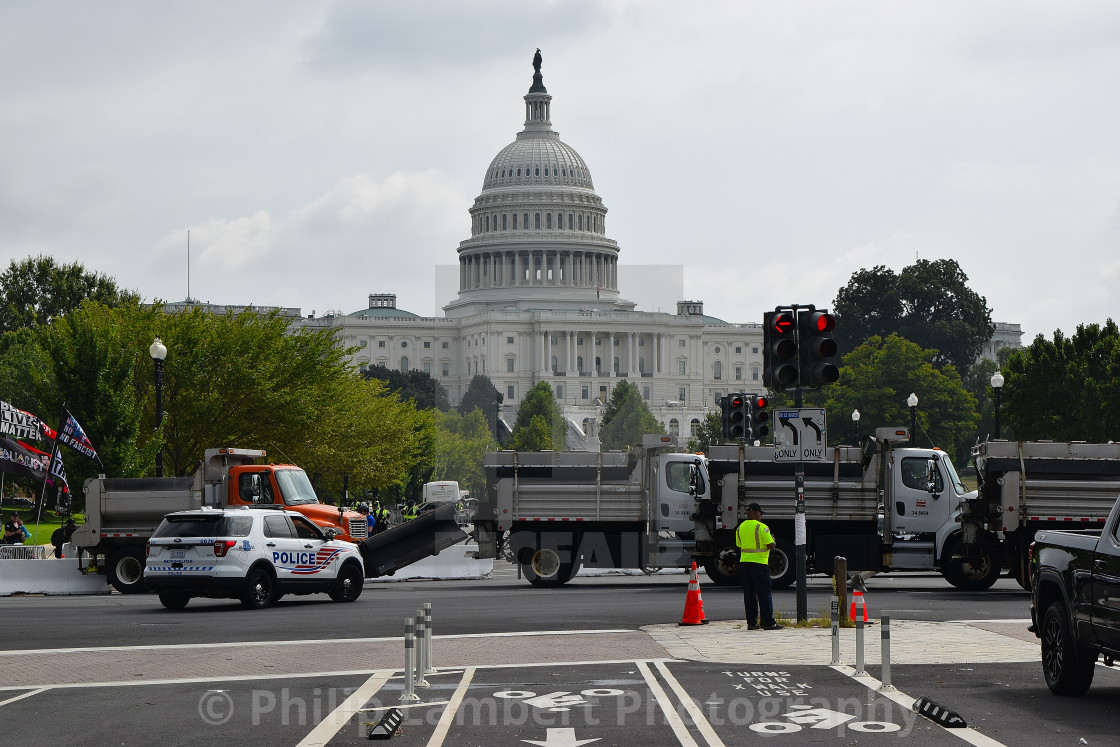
{"x":23,"y":552}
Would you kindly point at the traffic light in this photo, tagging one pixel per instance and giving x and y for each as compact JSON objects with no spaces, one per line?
{"x":760,"y":418}
{"x":736,"y":415}
{"x":818,"y":349}
{"x":779,"y":351}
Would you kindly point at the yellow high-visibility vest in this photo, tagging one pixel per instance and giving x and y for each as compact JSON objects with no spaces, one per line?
{"x":752,"y":537}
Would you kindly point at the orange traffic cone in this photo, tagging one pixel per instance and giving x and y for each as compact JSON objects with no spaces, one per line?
{"x":857,"y":596}
{"x":693,"y":603}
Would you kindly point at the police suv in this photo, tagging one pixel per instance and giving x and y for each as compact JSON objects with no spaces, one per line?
{"x":253,"y":554}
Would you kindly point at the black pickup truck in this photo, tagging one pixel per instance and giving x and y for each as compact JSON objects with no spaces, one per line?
{"x":1076,"y":602}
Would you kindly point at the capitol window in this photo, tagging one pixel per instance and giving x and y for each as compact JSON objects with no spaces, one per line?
{"x":538,"y":221}
{"x":546,"y":171}
{"x":515,"y":221}
{"x":504,"y":217}
{"x":548,"y":220}
{"x":537,"y":171}
{"x":519,"y":172}
{"x":559,"y":220}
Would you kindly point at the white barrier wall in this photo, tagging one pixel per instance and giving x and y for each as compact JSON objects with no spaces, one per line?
{"x":453,"y":563}
{"x":48,"y":576}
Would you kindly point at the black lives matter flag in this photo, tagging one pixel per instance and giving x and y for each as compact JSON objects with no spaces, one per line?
{"x":72,"y":435}
{"x":21,"y":425}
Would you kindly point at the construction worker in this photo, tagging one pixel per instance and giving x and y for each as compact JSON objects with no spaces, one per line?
{"x":382,"y":516}
{"x":755,"y":543}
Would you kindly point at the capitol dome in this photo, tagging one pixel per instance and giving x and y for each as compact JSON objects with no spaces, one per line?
{"x":538,"y":229}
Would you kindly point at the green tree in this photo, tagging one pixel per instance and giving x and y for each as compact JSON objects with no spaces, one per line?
{"x":710,"y":432}
{"x":482,"y":394}
{"x":877,"y":377}
{"x":928,"y":303}
{"x":535,"y":435}
{"x":460,"y":443}
{"x":36,"y":290}
{"x":1065,"y":389}
{"x":413,"y":385}
{"x":540,"y":401}
{"x":626,"y":418}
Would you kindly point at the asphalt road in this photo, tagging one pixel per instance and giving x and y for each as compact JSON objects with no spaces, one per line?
{"x":503,"y":604}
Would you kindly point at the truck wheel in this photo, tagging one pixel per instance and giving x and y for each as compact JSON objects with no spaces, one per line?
{"x":349,"y":585}
{"x":723,"y":569}
{"x":126,"y":570}
{"x":546,"y":569}
{"x":970,"y":575}
{"x":260,"y":589}
{"x":1068,"y":670}
{"x":783,"y":569}
{"x":174,"y":600}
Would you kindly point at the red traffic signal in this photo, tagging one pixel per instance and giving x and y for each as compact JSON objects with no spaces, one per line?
{"x":779,"y":350}
{"x":818,"y":348}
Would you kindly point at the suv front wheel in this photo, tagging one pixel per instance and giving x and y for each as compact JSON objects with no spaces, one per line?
{"x":349,"y":584}
{"x":260,"y":590}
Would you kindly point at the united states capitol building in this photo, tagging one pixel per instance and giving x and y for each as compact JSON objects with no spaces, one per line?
{"x":539,"y":300}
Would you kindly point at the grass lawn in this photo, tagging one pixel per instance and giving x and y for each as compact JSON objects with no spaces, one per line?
{"x":47,"y":525}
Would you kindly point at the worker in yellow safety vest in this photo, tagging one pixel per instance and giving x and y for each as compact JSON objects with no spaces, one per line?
{"x":755,"y":543}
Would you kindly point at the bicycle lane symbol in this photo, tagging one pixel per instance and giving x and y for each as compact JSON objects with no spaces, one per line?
{"x":561,"y":700}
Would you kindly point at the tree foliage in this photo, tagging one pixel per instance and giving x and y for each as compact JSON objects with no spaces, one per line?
{"x":928,"y":303}
{"x":877,"y":377}
{"x":460,"y":443}
{"x":239,"y":379}
{"x":413,"y":385}
{"x":710,"y":432}
{"x":483,"y":395}
{"x":626,"y":418}
{"x":36,"y":290}
{"x":552,"y":429}
{"x":1067,"y":388}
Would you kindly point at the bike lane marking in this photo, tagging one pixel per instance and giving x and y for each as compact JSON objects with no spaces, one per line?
{"x":328,"y":728}
{"x":24,"y":695}
{"x":697,"y":716}
{"x":675,"y":722}
{"x":967,"y":734}
{"x":447,"y":718}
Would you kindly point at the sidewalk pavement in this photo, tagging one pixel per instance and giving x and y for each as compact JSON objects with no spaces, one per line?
{"x":723,"y":642}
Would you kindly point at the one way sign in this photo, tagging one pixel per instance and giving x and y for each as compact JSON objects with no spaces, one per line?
{"x":800,"y":435}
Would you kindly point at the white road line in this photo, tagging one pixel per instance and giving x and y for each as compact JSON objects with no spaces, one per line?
{"x":326,"y":729}
{"x":694,"y":712}
{"x":25,"y":695}
{"x":967,"y":734}
{"x":304,"y":644}
{"x":448,"y":716}
{"x":667,"y":708}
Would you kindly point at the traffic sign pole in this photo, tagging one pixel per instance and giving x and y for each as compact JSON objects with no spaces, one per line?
{"x":799,"y":538}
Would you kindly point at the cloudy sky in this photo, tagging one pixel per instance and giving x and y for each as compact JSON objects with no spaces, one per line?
{"x":320,"y":151}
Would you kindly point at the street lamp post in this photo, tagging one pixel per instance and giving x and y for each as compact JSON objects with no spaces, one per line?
{"x":855,"y":424}
{"x":158,"y":352}
{"x":997,"y":387}
{"x":912,"y":400}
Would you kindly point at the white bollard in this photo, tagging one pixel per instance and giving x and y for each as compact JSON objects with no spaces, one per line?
{"x":859,"y":646}
{"x":836,"y":631}
{"x":885,"y":645}
{"x":428,"y":668}
{"x":421,"y":637}
{"x":409,"y":661}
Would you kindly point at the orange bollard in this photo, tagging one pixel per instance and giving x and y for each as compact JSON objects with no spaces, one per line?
{"x":693,"y":603}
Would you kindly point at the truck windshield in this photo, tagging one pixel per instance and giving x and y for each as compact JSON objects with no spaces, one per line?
{"x":295,"y":488}
{"x":958,"y":486}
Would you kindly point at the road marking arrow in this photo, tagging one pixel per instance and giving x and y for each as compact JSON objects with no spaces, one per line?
{"x":561,"y":738}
